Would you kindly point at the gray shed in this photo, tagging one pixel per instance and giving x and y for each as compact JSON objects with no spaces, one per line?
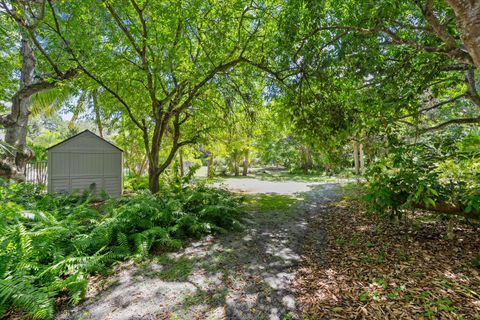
{"x":82,"y":160}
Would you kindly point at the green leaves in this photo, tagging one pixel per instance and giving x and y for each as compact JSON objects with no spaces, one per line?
{"x":435,"y":172}
{"x":53,"y":247}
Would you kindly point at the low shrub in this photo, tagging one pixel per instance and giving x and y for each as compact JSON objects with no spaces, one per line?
{"x":440,"y":171}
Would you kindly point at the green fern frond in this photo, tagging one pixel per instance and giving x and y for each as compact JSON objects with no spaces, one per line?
{"x":20,"y":293}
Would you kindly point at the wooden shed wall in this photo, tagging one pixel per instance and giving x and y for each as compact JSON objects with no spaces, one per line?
{"x":85,"y":159}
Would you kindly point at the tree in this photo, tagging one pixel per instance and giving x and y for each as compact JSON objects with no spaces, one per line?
{"x":368,"y":68}
{"x":28,"y":17}
{"x":159,"y":59}
{"x":468,"y":22}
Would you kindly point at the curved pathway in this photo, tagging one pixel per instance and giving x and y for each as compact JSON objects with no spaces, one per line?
{"x":240,"y":275}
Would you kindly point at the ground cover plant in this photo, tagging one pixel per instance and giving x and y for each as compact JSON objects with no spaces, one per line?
{"x":50,"y":244}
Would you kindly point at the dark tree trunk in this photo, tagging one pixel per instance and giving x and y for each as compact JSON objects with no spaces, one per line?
{"x":13,"y":164}
{"x":355,"y":157}
{"x":153,"y":180}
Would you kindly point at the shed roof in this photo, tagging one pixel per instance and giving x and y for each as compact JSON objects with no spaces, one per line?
{"x":81,"y":133}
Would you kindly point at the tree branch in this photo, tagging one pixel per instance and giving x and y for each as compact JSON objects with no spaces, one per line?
{"x":218,"y":69}
{"x":30,"y":29}
{"x":124,"y":29}
{"x":436,"y":26}
{"x":450,"y":122}
{"x":90,"y":75}
{"x":43,"y":85}
{"x":455,"y":53}
{"x":434,"y":106}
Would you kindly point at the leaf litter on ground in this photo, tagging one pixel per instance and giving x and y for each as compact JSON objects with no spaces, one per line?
{"x":368,"y":267}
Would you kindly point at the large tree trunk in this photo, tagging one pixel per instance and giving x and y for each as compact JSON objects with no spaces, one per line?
{"x":355,"y":157}
{"x":468,"y":21}
{"x":245,"y":163}
{"x":153,"y":180}
{"x":13,"y":164}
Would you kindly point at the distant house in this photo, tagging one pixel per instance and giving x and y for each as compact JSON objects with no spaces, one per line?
{"x":85,"y":161}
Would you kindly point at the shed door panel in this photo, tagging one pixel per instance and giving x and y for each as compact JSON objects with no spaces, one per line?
{"x":86,"y":165}
{"x":112,"y":164}
{"x":61,"y":163}
{"x":77,"y":171}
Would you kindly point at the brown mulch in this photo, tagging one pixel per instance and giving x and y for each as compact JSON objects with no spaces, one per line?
{"x":371,"y":268}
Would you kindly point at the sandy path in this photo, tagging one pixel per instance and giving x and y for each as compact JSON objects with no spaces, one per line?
{"x":250,"y":185}
{"x":240,"y":275}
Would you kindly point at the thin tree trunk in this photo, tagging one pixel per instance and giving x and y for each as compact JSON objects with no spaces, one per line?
{"x":309,"y":159}
{"x":96,"y":108}
{"x":236,"y":169}
{"x":355,"y":157}
{"x":141,"y":168}
{"x":361,"y":158}
{"x":245,"y":163}
{"x":180,"y":159}
{"x":13,"y":164}
{"x":210,"y":167}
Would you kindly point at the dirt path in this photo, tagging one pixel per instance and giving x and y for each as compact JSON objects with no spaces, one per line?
{"x":240,"y":275}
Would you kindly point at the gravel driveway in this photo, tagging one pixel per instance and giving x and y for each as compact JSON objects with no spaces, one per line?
{"x":240,"y":275}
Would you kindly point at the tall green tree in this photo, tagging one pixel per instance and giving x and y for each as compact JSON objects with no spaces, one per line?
{"x":372,"y":67}
{"x":26,"y":21}
{"x":159,"y":59}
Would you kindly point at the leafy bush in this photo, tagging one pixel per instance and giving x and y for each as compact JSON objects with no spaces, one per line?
{"x":441,"y":169}
{"x":50,"y":244}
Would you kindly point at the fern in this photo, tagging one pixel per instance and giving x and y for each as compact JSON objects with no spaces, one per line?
{"x":30,"y":299}
{"x":50,"y":244}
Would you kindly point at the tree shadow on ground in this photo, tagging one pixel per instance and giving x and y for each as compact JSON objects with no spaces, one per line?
{"x":238,"y":275}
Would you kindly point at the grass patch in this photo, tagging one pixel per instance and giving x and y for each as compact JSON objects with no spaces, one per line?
{"x":175,"y":269}
{"x":211,"y":297}
{"x":284,"y":175}
{"x":269,"y":202}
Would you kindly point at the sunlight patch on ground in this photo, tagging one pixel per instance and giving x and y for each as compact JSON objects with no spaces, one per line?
{"x":249,"y":185}
{"x":243,"y":275}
